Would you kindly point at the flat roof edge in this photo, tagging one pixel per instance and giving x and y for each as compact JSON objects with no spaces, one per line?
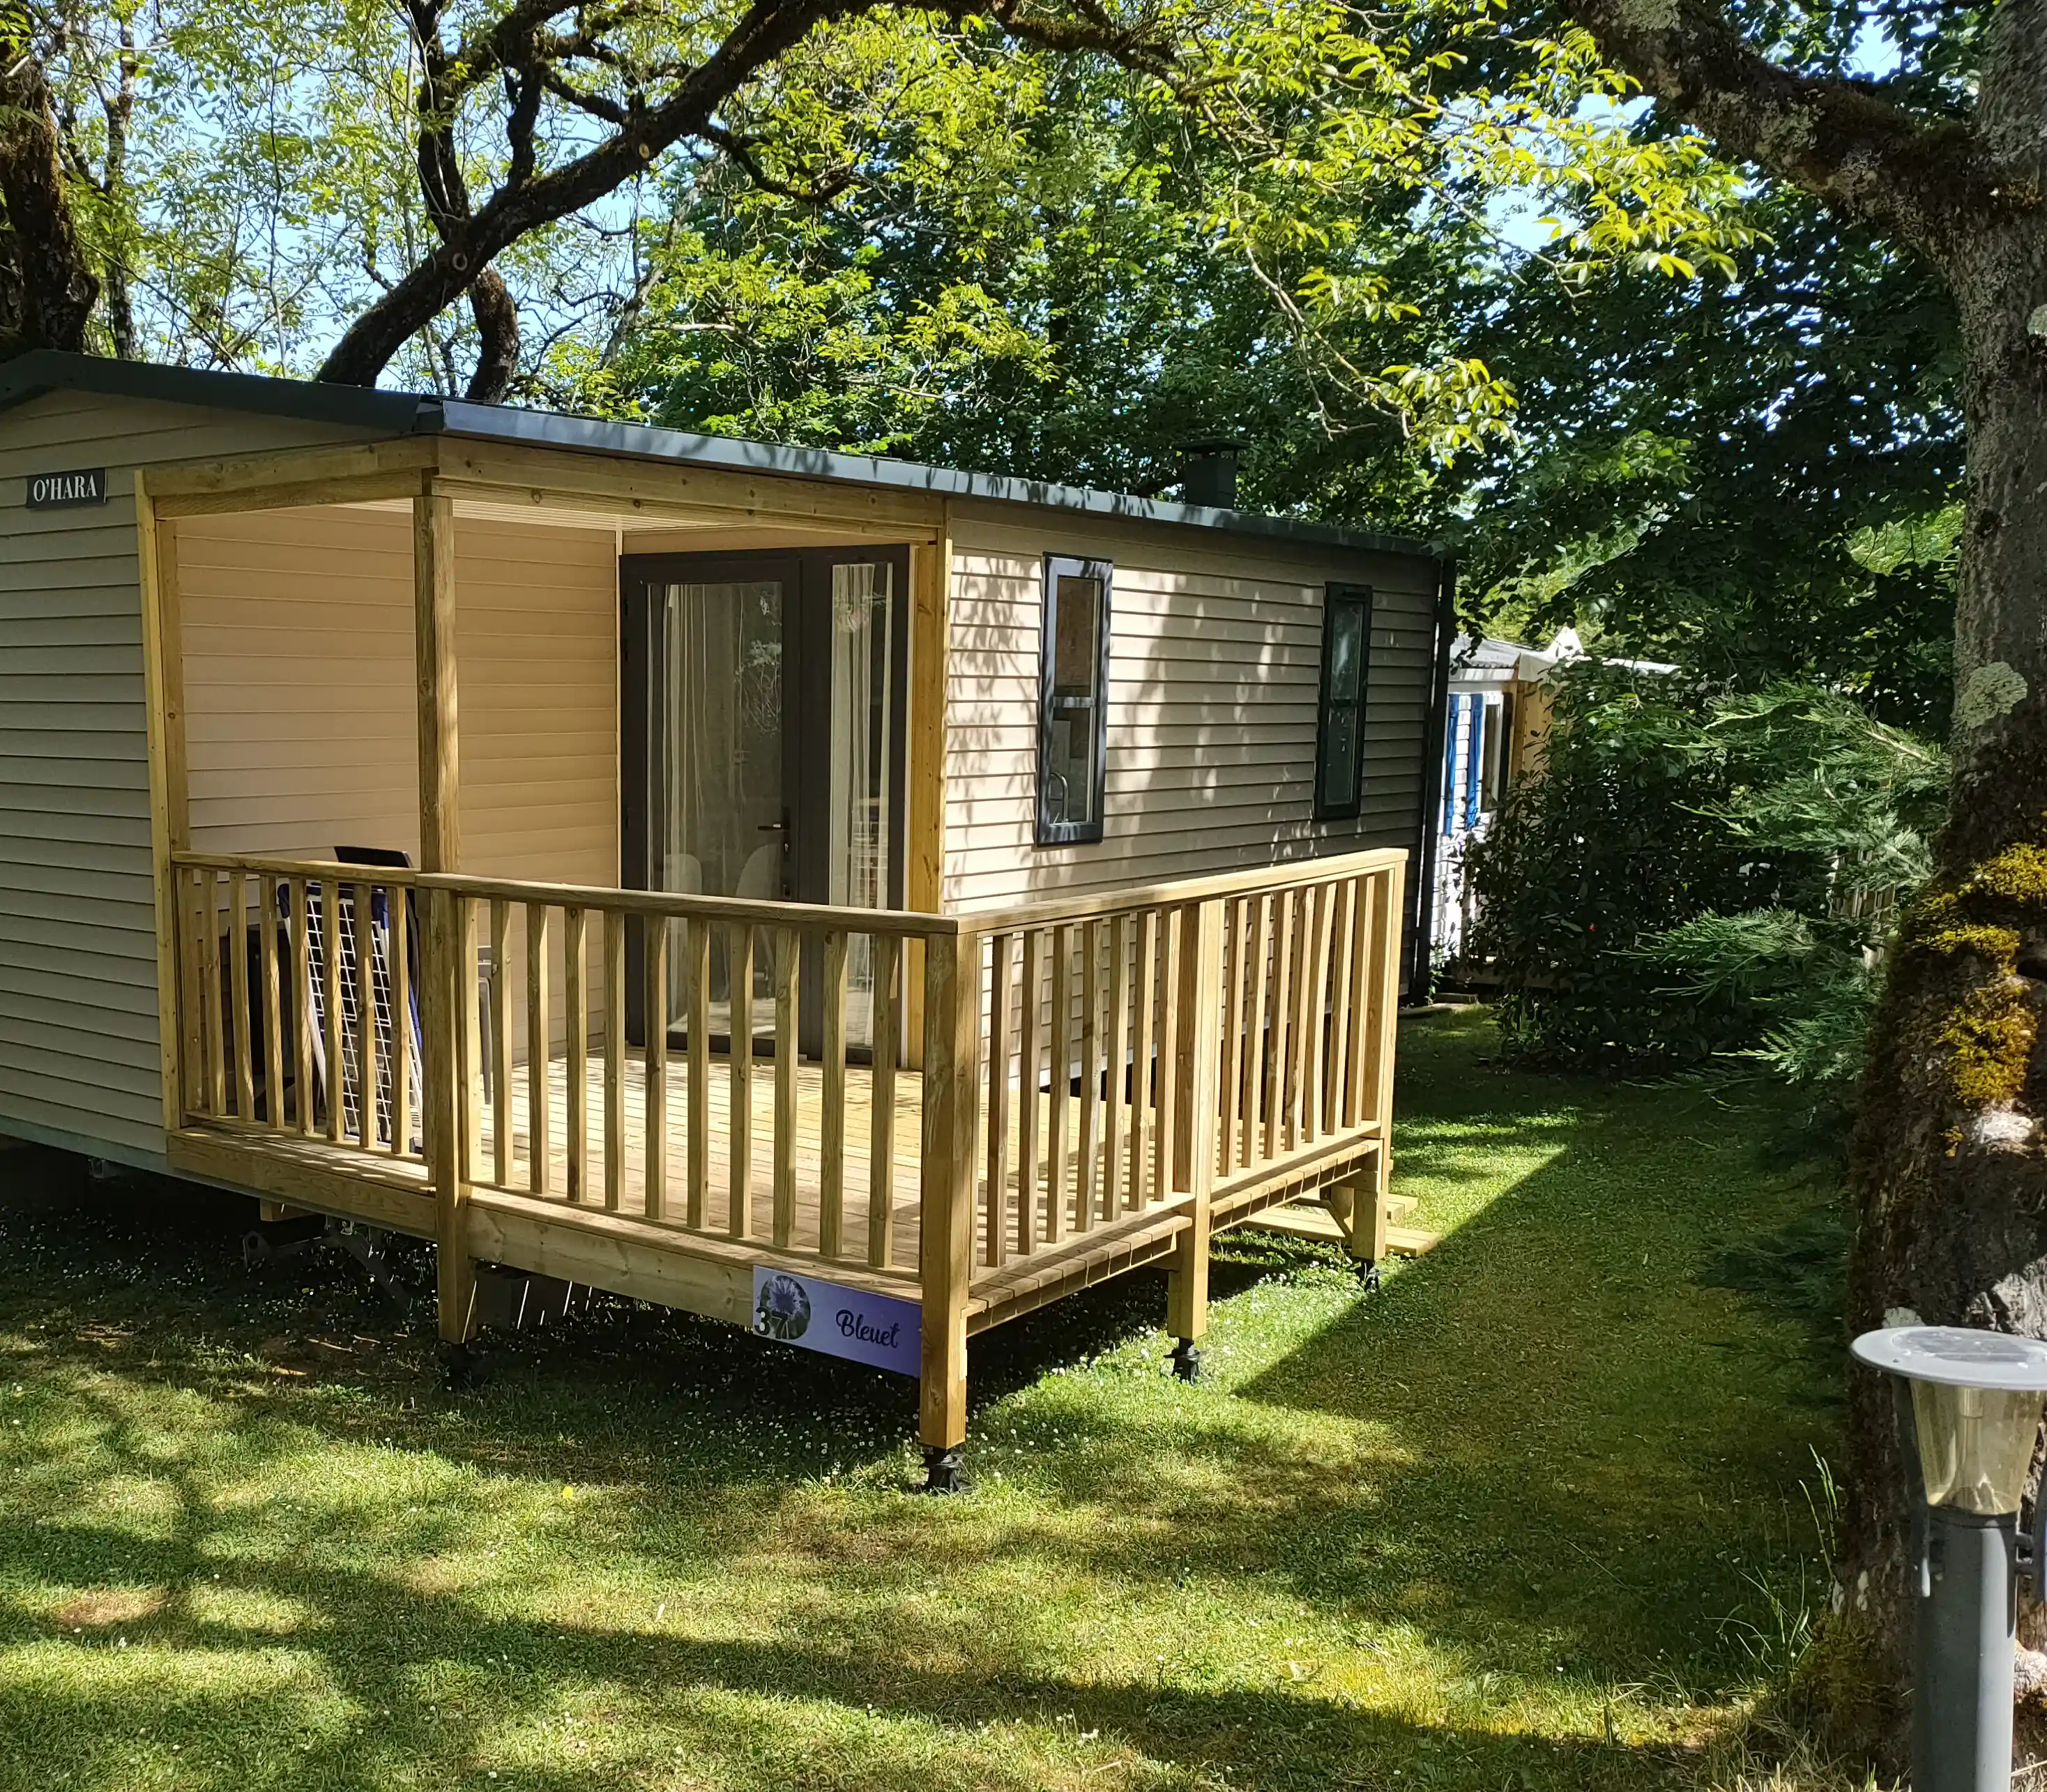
{"x":646,"y":441}
{"x":43,"y":370}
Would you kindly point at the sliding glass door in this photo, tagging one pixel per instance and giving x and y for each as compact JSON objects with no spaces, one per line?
{"x":763,"y":753}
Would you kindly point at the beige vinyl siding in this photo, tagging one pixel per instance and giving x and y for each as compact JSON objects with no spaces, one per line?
{"x":79,"y":1060}
{"x":1215,"y":661}
{"x":301,"y":724}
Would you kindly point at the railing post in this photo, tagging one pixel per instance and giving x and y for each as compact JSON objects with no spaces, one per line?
{"x":442,"y":1112}
{"x":1197,"y":1053}
{"x":952,"y":1079}
{"x":450,"y":1043}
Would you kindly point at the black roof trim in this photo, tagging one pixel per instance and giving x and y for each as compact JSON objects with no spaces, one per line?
{"x":42,"y":370}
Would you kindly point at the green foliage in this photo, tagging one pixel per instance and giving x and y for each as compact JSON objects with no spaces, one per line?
{"x":1741,"y":859}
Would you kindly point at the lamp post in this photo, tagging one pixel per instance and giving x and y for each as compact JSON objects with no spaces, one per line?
{"x":1976,"y":1398}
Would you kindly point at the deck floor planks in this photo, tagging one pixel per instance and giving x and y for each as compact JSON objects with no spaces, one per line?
{"x":809,"y":1162}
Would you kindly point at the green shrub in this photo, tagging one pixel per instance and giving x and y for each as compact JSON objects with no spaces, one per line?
{"x":1697,"y":873}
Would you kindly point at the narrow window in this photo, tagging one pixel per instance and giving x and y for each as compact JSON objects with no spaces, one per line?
{"x":1340,"y":732}
{"x":1073,"y":710}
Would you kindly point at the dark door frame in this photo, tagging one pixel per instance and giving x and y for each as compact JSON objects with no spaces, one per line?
{"x":806,"y":732}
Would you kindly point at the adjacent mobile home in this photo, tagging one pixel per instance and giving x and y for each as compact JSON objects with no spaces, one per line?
{"x":727,"y":875}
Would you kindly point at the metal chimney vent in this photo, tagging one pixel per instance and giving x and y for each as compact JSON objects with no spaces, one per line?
{"x":1208,"y":473}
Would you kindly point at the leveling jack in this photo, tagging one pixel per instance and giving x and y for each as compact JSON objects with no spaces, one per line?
{"x":1186,"y":1360}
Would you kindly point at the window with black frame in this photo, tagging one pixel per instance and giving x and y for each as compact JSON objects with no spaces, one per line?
{"x":1340,"y":729}
{"x":1073,"y":710}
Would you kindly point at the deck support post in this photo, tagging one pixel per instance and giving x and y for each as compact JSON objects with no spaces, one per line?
{"x":1196,"y":1067}
{"x":923,"y":872}
{"x":1359,"y":1203}
{"x":440,"y":851}
{"x":952,"y":1079}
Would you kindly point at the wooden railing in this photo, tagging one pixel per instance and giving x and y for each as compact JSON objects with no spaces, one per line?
{"x":1084,"y":1062}
{"x":1150,"y":1045}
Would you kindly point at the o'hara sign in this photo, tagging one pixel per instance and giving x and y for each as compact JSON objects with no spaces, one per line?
{"x":60,"y":491}
{"x":840,"y":1322}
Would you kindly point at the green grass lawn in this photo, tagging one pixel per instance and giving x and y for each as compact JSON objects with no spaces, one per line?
{"x":1536,"y":1516}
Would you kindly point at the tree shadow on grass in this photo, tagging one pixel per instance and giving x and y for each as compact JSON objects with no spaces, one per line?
{"x":1489,"y":1460}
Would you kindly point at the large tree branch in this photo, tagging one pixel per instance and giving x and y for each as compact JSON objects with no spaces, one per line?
{"x":1929,"y":182}
{"x":767,"y":30}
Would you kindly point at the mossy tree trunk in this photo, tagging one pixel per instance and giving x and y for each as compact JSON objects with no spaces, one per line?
{"x":1950,"y":1158}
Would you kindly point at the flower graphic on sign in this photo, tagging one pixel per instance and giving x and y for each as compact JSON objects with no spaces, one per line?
{"x":782,"y":1310}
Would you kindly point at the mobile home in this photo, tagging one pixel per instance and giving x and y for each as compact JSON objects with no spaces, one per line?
{"x":733,"y":876}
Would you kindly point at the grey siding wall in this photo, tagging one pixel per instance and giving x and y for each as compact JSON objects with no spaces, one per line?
{"x":79,"y":1050}
{"x":1215,"y":668}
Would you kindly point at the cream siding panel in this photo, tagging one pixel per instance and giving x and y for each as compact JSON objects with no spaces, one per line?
{"x":1215,"y":662}
{"x":78,"y":1051}
{"x":302,"y":728}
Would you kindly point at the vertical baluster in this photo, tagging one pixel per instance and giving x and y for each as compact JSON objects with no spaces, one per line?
{"x":1300,"y":1053}
{"x":237,"y":962}
{"x":469,"y":1019}
{"x":210,"y":968}
{"x":1342,"y":943}
{"x":831,"y":1168}
{"x":192,"y":1023}
{"x":1115,"y":1184}
{"x":1256,"y":1048}
{"x":501,"y":1041}
{"x":1275,"y":1046}
{"x":697,"y":1150}
{"x":362,"y":896}
{"x":995,"y":1243}
{"x":788,"y":957}
{"x":1142,"y":1131}
{"x":881,"y":1160}
{"x":1028,"y":1111}
{"x":575,"y":1021}
{"x":271,"y":997}
{"x":401,"y":1022}
{"x":1229,"y":1092}
{"x":1364,"y":926}
{"x":614,"y":1058}
{"x":539,"y":1050}
{"x":1314,"y":1012}
{"x":1086,"y":1195}
{"x":739,"y":1121}
{"x":1164,"y":1180}
{"x":302,"y":1002}
{"x":654,"y":1116}
{"x":1057,"y":1169}
{"x":330,"y":995}
{"x":1382,"y":987}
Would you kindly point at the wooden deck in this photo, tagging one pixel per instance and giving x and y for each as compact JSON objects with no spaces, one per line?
{"x":1085,"y":1085}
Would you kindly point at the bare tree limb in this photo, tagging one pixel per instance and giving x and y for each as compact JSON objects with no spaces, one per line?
{"x":766,"y":30}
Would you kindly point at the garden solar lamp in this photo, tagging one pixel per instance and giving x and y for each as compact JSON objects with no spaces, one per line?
{"x":1976,"y":1398}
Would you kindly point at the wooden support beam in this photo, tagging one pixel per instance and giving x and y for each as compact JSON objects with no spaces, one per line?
{"x":1196,"y":1068}
{"x":556,"y":479}
{"x":924,"y":864}
{"x":952,"y":1094}
{"x":170,"y":820}
{"x":448,"y":991}
{"x":334,"y":473}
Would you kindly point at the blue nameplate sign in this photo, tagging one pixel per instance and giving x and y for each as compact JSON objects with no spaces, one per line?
{"x":839,"y":1321}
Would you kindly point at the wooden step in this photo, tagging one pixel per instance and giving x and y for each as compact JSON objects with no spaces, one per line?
{"x":1300,"y":1220}
{"x":1310,"y":1219}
